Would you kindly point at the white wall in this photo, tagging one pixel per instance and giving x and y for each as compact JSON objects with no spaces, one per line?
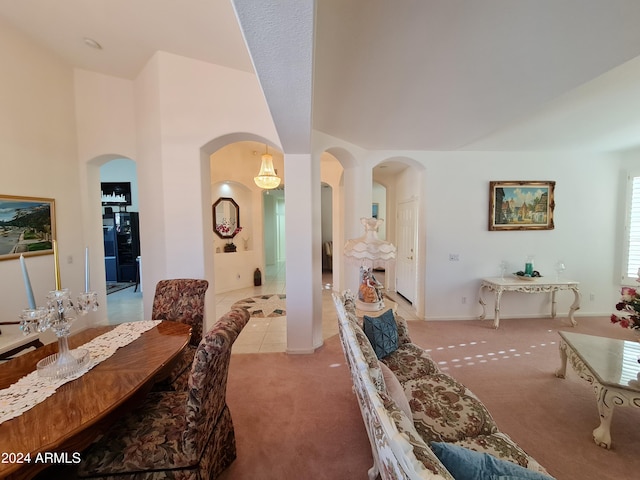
{"x":453,"y":193}
{"x":379,"y":196}
{"x":38,"y":158}
{"x":326,"y":195}
{"x":105,"y":122}
{"x":180,"y":106}
{"x":234,"y":270}
{"x":457,"y":208}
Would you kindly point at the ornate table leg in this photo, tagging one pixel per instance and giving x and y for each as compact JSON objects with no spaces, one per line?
{"x":496,"y":319}
{"x":498,"y":291}
{"x":575,"y":305}
{"x":553,"y":303}
{"x":602,"y":434}
{"x":562,"y":370}
{"x":482,"y":302}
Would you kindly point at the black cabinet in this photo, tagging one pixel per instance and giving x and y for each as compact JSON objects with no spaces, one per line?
{"x":121,"y":233}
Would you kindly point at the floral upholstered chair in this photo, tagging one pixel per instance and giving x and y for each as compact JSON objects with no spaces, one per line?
{"x":181,"y":300}
{"x":176,"y":435}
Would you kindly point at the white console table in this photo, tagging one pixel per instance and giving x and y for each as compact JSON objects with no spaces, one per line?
{"x":536,"y":285}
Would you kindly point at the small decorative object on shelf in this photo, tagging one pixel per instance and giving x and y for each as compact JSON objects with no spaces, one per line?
{"x":560,"y":268}
{"x":629,"y":306}
{"x":528,"y":266}
{"x":504,"y":265}
{"x":523,"y":275}
{"x":225,"y":230}
{"x":58,"y":316}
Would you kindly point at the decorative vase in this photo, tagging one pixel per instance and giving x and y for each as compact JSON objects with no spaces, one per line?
{"x":528,"y":266}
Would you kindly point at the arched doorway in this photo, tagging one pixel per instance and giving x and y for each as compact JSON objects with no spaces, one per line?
{"x":260,"y":243}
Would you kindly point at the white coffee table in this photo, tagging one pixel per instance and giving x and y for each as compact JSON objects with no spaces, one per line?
{"x":611,"y":367}
{"x":535,"y":285}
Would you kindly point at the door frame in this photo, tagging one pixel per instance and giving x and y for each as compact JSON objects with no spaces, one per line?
{"x":413,"y":282}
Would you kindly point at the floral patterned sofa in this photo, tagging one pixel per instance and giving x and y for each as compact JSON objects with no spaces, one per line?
{"x":180,"y":435}
{"x":409,"y":406}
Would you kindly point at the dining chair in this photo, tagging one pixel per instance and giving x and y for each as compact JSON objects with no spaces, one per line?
{"x":181,"y":300}
{"x":177,"y":435}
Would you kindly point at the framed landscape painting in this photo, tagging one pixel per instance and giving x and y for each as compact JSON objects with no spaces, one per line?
{"x":521,"y":205}
{"x":27,"y":226}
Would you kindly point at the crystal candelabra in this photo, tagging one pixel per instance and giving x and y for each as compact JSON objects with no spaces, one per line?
{"x":58,"y":316}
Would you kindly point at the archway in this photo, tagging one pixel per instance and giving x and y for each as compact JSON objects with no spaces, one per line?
{"x":232,"y":168}
{"x":404,"y":180}
{"x":117,"y":169}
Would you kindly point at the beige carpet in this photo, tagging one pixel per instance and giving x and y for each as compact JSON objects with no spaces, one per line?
{"x":296,"y":417}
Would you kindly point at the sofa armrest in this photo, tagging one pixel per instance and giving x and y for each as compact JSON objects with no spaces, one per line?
{"x":397,"y":448}
{"x":403,"y":330}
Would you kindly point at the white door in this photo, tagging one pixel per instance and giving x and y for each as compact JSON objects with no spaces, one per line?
{"x":406,"y":255}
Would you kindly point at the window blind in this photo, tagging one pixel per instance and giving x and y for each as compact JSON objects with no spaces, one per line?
{"x":633,"y":230}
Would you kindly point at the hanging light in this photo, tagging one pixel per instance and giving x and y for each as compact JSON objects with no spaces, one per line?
{"x":267,"y":177}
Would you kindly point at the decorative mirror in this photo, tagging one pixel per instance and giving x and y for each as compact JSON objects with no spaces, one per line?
{"x":226,"y":217}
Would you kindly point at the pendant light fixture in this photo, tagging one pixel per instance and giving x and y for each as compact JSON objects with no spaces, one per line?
{"x":267,"y":177}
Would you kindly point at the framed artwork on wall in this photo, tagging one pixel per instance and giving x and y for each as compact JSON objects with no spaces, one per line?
{"x":27,"y":226}
{"x":521,"y":205}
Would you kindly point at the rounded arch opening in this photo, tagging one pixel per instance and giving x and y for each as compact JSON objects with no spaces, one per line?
{"x":230,"y":164}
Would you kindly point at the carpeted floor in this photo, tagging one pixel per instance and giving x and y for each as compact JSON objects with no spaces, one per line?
{"x":295,"y":416}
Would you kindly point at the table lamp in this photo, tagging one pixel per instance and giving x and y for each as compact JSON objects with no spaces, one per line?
{"x":369,"y":252}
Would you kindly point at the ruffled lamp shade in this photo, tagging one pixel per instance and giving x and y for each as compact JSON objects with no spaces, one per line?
{"x":369,"y":252}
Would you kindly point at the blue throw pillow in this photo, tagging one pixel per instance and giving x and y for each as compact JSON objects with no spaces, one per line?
{"x":382,"y":333}
{"x":465,"y":464}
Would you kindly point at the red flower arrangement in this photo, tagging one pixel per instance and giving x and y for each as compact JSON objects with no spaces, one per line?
{"x":629,"y":305}
{"x":224,"y":229}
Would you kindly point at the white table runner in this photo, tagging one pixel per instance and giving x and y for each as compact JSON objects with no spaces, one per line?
{"x":32,"y":389}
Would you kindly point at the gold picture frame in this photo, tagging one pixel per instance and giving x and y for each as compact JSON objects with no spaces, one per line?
{"x":27,"y":226}
{"x":521,"y":205}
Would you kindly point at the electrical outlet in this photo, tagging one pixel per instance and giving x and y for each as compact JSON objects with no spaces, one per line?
{"x":70,"y":259}
{"x":454,"y":257}
{"x":464,"y":300}
{"x":592,"y":297}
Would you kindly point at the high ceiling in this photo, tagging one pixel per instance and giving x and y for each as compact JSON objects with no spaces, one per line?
{"x":389,"y":74}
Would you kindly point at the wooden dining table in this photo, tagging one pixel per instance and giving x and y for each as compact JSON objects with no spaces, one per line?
{"x":56,"y":430}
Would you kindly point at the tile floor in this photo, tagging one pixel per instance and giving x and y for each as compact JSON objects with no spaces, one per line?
{"x":260,"y":334}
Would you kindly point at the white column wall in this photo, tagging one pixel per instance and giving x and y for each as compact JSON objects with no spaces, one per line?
{"x":196,"y":102}
{"x":39,"y":158}
{"x":457,"y":210}
{"x":106,"y":130}
{"x":304,"y":264}
{"x":358,"y":188}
